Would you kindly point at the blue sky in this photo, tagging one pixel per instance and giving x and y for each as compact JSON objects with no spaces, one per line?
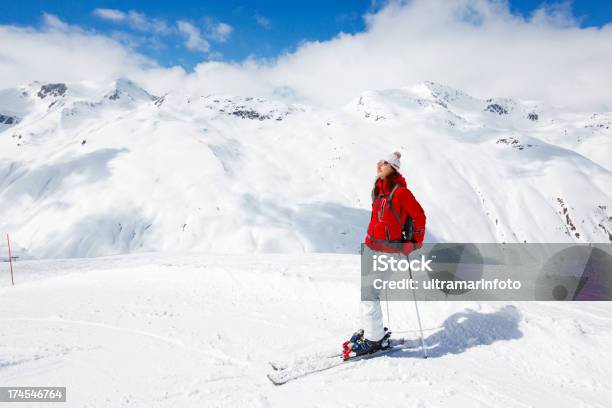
{"x":261,"y":29}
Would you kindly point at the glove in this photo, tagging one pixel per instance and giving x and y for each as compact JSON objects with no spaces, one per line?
{"x":418,"y":235}
{"x":408,"y":247}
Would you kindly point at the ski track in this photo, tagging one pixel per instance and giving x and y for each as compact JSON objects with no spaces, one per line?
{"x":188,"y":330}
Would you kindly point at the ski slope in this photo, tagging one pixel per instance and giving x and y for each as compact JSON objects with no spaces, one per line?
{"x":187,"y":330}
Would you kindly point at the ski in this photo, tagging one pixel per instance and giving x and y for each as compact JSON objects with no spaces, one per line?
{"x":282,"y":365}
{"x":315,"y":364}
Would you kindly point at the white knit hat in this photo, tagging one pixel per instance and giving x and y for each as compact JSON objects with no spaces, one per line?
{"x":394,"y":160}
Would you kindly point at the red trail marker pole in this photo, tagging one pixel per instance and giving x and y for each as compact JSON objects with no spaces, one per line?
{"x":10,"y":258}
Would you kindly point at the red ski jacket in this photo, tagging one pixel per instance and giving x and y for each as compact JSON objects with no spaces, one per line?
{"x":385,"y":232}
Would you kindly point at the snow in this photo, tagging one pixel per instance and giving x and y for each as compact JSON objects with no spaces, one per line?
{"x":96,"y":169}
{"x":193,"y":330}
{"x":170,"y":246}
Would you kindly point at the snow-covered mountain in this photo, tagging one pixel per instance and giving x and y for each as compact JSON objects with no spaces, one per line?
{"x":93,"y":169}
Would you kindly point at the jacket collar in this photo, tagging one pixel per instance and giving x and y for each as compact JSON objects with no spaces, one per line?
{"x":386,"y":186}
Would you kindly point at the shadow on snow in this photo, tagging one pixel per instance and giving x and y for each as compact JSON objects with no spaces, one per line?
{"x":466,"y":329}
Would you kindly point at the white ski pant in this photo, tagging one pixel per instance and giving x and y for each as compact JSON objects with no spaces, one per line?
{"x":371,"y":319}
{"x":370,"y":312}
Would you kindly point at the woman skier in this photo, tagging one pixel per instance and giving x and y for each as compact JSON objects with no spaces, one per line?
{"x":397,"y":225}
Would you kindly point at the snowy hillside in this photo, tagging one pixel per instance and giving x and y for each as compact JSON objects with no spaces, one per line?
{"x":90,"y":169}
{"x":147,"y":331}
{"x":96,"y":169}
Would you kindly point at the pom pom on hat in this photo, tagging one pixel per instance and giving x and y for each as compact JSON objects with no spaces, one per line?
{"x":394,"y":160}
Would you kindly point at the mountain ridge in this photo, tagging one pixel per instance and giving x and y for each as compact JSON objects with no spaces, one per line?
{"x":98,"y":169}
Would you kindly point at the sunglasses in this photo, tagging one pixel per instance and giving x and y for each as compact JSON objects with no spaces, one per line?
{"x":382,"y":163}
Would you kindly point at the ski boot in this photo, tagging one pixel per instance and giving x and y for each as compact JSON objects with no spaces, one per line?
{"x":358,"y":345}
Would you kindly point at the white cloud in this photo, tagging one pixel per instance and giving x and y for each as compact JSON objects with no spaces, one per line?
{"x":475,"y":45}
{"x":110,"y":14}
{"x":193,"y":37}
{"x":53,"y":22}
{"x":216,"y":30}
{"x":134,"y":19}
{"x":59,"y":52}
{"x":556,"y":14}
{"x":262,"y":21}
{"x":220,"y":31}
{"x":141,"y":22}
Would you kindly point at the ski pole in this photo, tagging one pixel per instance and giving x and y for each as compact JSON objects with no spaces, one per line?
{"x":8,"y":242}
{"x":416,"y":306}
{"x":388,"y":315}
